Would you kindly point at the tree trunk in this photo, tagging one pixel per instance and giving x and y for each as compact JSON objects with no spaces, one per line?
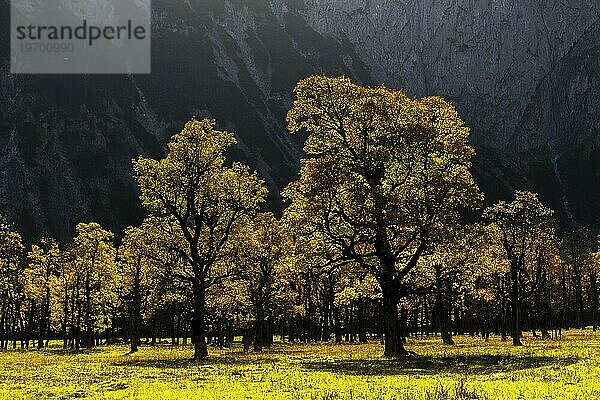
{"x":247,"y":338}
{"x":135,"y":334}
{"x":362,"y":324}
{"x":45,"y":317}
{"x":64,"y":319}
{"x":393,"y":343}
{"x":442,"y":324}
{"x":178,"y":329}
{"x":89,"y":337}
{"x":136,"y":308}
{"x":580,"y":312}
{"x":594,"y":296}
{"x":172,"y":326}
{"x":337,"y":324}
{"x":198,"y":323}
{"x":326,"y":313}
{"x":514,"y":306}
{"x":259,"y":329}
{"x":440,"y":310}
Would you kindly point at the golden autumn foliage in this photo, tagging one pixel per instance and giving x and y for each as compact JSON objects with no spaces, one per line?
{"x":203,"y":201}
{"x":385,"y":178}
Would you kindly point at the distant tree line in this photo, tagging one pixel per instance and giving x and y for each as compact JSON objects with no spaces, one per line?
{"x":373,"y":245}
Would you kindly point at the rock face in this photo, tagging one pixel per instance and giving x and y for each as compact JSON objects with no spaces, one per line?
{"x":525,"y":76}
{"x":558,"y":135}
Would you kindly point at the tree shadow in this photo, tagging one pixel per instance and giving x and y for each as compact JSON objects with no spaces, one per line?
{"x":428,"y":365}
{"x":229,"y":360}
{"x":72,"y":352}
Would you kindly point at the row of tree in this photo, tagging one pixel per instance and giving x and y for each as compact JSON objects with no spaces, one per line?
{"x":374,"y":242}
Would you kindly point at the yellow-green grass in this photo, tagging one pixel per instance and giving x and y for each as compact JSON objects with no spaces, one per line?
{"x":473,"y":369}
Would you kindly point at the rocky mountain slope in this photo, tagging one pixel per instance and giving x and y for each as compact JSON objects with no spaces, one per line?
{"x":525,"y":76}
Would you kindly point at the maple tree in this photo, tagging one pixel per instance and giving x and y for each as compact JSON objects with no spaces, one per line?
{"x":203,"y":200}
{"x":385,"y":176}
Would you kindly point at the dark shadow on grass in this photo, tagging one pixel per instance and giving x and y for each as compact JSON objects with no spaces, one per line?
{"x":463,"y":364}
{"x":71,"y":352}
{"x":233,"y":360}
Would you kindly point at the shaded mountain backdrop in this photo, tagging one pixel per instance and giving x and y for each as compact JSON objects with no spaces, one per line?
{"x":524,"y":74}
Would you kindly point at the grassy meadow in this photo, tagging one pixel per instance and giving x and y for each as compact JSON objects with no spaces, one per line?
{"x":473,"y":369}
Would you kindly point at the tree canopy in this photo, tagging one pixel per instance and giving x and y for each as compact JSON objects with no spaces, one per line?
{"x":385,"y":178}
{"x":203,"y":201}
